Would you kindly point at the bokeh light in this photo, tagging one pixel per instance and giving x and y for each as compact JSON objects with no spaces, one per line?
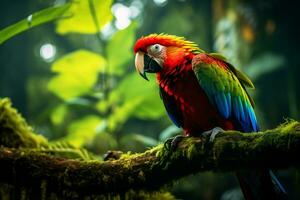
{"x":48,"y":52}
{"x":160,"y":2}
{"x":122,"y":14}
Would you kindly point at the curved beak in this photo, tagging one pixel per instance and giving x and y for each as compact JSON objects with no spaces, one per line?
{"x":139,"y":64}
{"x":143,"y":64}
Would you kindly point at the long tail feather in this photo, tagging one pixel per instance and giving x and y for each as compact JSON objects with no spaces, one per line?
{"x":258,"y":185}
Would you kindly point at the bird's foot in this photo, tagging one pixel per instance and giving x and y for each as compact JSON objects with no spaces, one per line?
{"x":212,"y":133}
{"x":172,"y":143}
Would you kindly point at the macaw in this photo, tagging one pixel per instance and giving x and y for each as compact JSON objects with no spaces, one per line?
{"x":204,"y":94}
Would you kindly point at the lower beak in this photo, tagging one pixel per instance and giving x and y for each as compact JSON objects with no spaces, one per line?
{"x":143,"y":64}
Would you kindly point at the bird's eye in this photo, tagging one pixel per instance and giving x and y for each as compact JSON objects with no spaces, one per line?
{"x":156,"y":48}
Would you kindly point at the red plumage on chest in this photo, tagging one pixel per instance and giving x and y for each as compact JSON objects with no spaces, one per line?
{"x":186,"y":102}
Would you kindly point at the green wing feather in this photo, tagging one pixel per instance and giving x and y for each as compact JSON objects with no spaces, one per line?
{"x":243,"y":78}
{"x":240,"y":75}
{"x":225,"y":88}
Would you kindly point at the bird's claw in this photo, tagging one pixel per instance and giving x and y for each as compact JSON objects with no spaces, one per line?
{"x":172,"y":143}
{"x":212,"y":133}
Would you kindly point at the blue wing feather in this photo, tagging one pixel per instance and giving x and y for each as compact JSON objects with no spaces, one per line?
{"x":222,"y":104}
{"x":234,"y":103}
{"x":253,"y":120}
{"x":228,"y":99}
{"x":226,"y":91}
{"x":171,"y":108}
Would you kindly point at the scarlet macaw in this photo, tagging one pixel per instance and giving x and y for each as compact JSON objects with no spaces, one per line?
{"x":203,"y":93}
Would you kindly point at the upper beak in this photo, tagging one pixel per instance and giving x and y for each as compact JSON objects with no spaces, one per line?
{"x":143,"y":64}
{"x":140,"y":65}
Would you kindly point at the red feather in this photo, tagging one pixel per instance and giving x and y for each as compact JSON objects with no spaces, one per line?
{"x":198,"y":114}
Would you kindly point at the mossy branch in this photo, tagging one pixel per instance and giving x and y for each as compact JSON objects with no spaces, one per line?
{"x":23,"y":166}
{"x":277,"y":148}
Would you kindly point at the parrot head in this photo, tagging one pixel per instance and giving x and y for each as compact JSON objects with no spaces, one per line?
{"x":157,"y":53}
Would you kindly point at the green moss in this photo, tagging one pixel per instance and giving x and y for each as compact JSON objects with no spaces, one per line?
{"x":126,"y":155}
{"x":162,"y":195}
{"x":288,"y":126}
{"x":227,"y":148}
{"x":191,"y":150}
{"x":14,"y":131}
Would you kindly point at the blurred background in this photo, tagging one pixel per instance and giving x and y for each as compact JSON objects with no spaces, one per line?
{"x":73,"y":79}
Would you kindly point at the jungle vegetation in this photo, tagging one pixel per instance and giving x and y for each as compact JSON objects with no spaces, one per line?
{"x":68,"y":68}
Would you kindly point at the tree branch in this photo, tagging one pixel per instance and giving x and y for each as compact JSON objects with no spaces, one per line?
{"x":231,"y":151}
{"x":27,"y":168}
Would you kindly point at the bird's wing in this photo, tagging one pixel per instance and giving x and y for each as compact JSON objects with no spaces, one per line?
{"x":225,"y":87}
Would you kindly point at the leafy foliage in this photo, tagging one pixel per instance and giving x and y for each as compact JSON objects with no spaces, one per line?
{"x":66,"y":150}
{"x":81,"y":20}
{"x":35,"y":19}
{"x":117,"y":59}
{"x":58,"y":114}
{"x":103,"y":85}
{"x":132,"y":88}
{"x":82,"y":131}
{"x":77,"y":76}
{"x":77,"y":73}
{"x":16,"y":133}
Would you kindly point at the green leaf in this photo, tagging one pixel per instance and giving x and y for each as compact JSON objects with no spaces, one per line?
{"x":38,"y":18}
{"x":66,"y":150}
{"x":79,"y":101}
{"x":82,"y":131}
{"x":134,"y":87}
{"x":102,"y":106}
{"x":121,"y":113}
{"x":58,"y":114}
{"x":77,"y":74}
{"x":119,"y":50}
{"x":102,"y":142}
{"x":81,"y":20}
{"x":147,"y":141}
{"x":134,"y":97}
{"x":150,"y":108}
